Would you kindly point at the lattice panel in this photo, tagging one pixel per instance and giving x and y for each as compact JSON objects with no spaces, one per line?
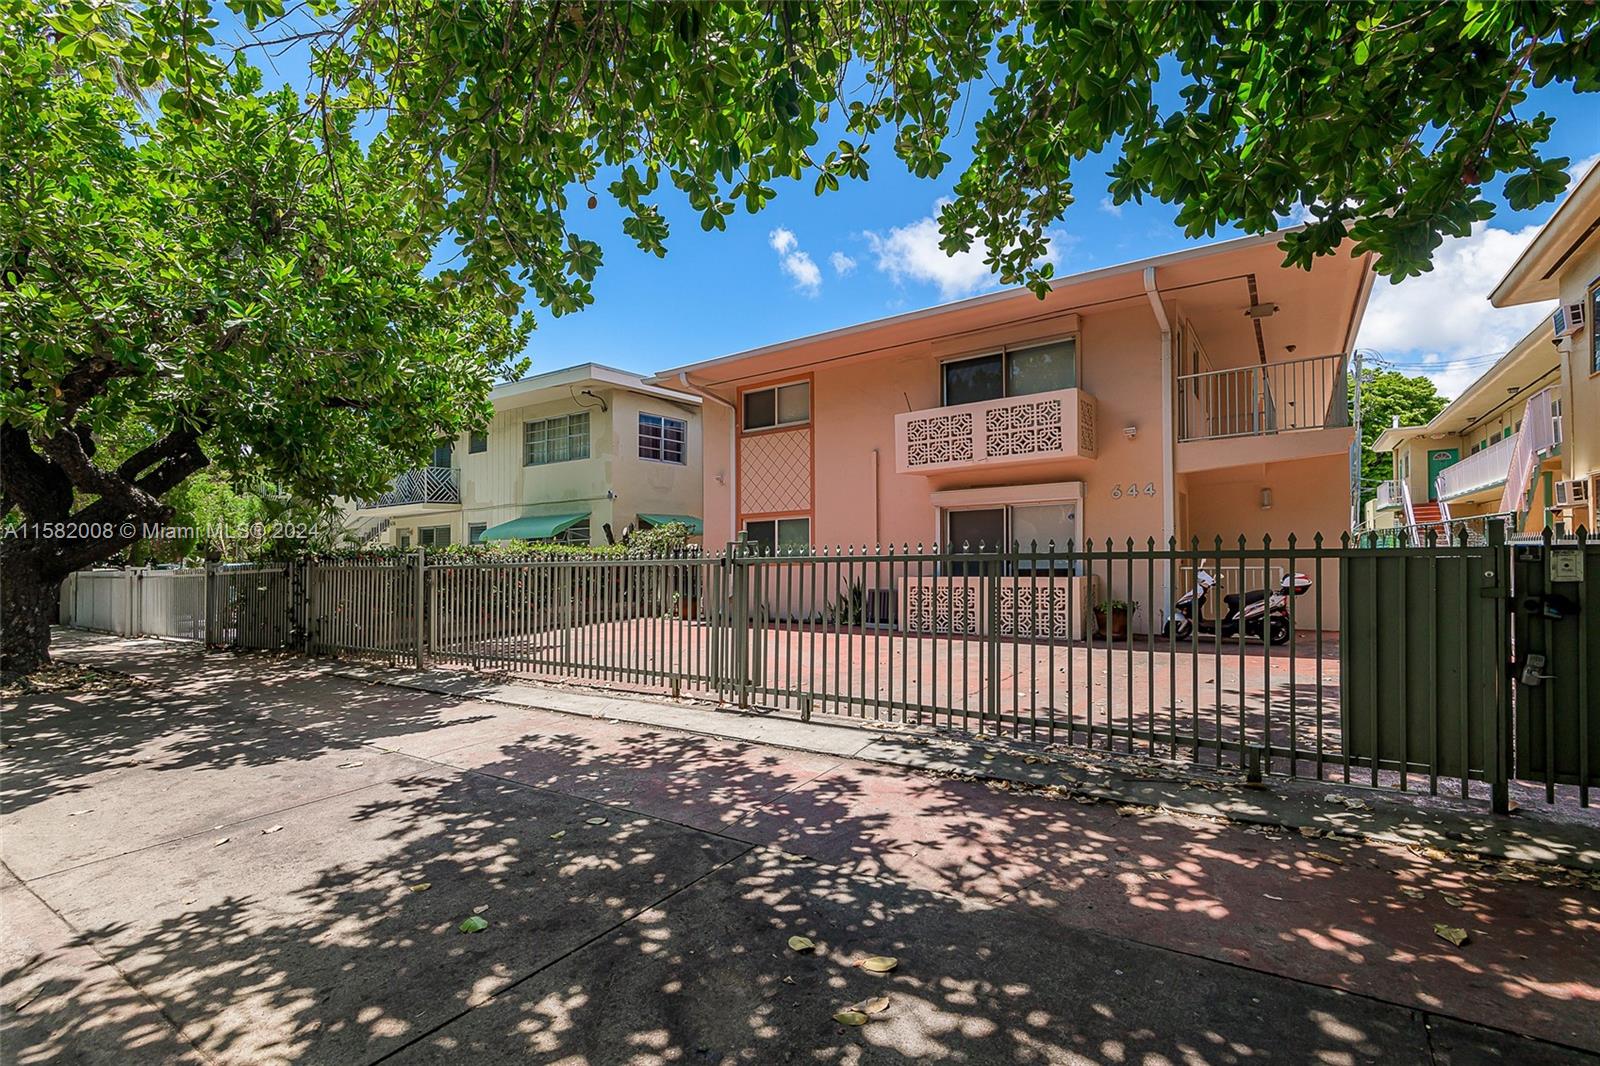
{"x":940,"y":438}
{"x":942,"y":608}
{"x":1026,"y":611}
{"x":775,"y":472}
{"x":1027,"y":428}
{"x":1088,"y":441}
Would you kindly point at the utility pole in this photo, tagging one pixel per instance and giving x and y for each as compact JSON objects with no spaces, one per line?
{"x":1356,"y":450}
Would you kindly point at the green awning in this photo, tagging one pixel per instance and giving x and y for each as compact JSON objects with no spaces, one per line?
{"x":696,"y":527}
{"x":533,"y":527}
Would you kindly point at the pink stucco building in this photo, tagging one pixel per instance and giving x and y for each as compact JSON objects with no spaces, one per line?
{"x":1196,"y":394}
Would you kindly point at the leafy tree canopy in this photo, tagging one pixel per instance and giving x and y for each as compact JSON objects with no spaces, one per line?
{"x":1387,"y":395}
{"x":1380,"y":121}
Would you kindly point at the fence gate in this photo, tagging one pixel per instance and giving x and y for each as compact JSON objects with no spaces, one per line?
{"x":1556,"y":639}
{"x":1423,"y":658}
{"x":252,"y":607}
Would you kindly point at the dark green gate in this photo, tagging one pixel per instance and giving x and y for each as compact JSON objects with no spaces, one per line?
{"x":1422,"y":649}
{"x":1556,"y":638}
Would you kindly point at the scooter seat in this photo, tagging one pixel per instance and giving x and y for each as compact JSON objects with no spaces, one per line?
{"x":1253,"y":596}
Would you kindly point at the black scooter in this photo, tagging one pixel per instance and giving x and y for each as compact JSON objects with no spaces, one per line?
{"x":1253,"y":611}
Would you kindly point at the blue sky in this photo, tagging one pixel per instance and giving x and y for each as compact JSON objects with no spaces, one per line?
{"x":806,"y":264}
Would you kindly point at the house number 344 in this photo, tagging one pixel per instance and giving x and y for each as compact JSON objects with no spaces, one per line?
{"x":1133,"y":489}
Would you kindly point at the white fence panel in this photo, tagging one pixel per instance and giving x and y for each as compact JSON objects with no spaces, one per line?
{"x":132,"y":603}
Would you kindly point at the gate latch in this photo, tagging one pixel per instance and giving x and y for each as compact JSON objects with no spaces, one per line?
{"x":1531,"y":671}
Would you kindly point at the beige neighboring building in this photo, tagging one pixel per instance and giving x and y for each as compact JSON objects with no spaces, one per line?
{"x":567,"y":454}
{"x":1523,"y":441}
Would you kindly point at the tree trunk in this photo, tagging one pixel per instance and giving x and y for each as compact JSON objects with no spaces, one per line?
{"x":28,"y":595}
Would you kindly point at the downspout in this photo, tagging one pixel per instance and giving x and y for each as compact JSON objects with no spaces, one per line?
{"x":733,"y":444}
{"x":1168,"y":415}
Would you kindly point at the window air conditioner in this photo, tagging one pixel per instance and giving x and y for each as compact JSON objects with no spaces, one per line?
{"x":1572,"y":493}
{"x":1568,"y":320}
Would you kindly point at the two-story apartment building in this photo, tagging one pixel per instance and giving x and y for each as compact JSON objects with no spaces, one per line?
{"x":1523,"y":441}
{"x":567,"y":455}
{"x":1196,"y":394}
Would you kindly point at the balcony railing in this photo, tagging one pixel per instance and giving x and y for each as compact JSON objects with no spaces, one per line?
{"x":1016,"y":429}
{"x":1390,"y":495}
{"x":1479,"y":471}
{"x":1256,"y":401}
{"x":427,"y":484}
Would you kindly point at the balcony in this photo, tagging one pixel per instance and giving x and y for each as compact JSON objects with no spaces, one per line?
{"x":1390,"y":496}
{"x":992,"y":433}
{"x":440,"y":485}
{"x":1477,"y":472}
{"x":1257,"y":401}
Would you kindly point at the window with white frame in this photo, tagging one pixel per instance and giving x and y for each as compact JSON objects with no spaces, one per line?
{"x":778,"y":536}
{"x":555,"y":440}
{"x":1555,"y":420}
{"x":781,"y":405}
{"x":578,"y":533}
{"x":1033,"y":528}
{"x":1014,"y":372}
{"x":475,"y":532}
{"x":662,"y":439}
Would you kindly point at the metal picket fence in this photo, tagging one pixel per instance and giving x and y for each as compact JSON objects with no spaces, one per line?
{"x":1389,"y":668}
{"x":137,"y":602}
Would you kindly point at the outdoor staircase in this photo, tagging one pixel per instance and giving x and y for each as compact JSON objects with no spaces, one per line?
{"x":1427,"y":514}
{"x":372,"y":531}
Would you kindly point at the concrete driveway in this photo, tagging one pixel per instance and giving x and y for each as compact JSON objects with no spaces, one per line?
{"x":251,"y":860}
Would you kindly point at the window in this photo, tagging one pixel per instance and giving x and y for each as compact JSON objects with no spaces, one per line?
{"x":779,"y":536}
{"x":573,"y":534}
{"x":475,"y":532}
{"x":1032,"y":527}
{"x":477,"y":441}
{"x":662,"y":439}
{"x":442,"y":453}
{"x":555,"y":440}
{"x":1555,"y":421}
{"x":785,"y":405}
{"x":405,"y":540}
{"x":1594,"y":326}
{"x":1022,"y":372}
{"x":433,"y":536}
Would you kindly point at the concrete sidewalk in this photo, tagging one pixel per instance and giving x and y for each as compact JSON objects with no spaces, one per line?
{"x":255,"y":860}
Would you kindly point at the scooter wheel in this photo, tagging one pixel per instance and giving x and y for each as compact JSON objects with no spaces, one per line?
{"x":1279,"y":631}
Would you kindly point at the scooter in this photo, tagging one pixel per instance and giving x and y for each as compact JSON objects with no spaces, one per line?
{"x":1255,"y":612}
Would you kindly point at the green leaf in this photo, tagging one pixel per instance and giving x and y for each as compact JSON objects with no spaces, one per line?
{"x":474,"y":924}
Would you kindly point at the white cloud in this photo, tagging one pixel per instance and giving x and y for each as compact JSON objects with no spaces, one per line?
{"x":912,"y":253}
{"x":1578,"y":169}
{"x":842,"y":264}
{"x":797,"y":264}
{"x":1441,"y":323}
{"x":1110,"y":208}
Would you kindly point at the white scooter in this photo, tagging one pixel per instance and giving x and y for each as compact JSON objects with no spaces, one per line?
{"x":1258,"y":614}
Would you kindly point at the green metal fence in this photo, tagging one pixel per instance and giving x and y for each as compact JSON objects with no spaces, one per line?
{"x":1388,"y":669}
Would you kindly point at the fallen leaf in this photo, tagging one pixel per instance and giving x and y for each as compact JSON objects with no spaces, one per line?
{"x":875,"y":1005}
{"x":801,"y":943}
{"x":559,"y":835}
{"x":421,"y":886}
{"x":1325,"y":857}
{"x":74,"y":814}
{"x":473,"y":925}
{"x":348,"y":765}
{"x":1453,"y":934}
{"x":220,"y":842}
{"x":1269,"y":895}
{"x":1413,"y":891}
{"x":850,"y":1017}
{"x":272,"y":829}
{"x":788,"y":980}
{"x":480,"y":908}
{"x":595,"y":821}
{"x":879,"y":963}
{"x":1455,"y":901}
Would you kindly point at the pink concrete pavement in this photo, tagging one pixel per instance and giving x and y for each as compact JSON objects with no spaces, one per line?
{"x":1339,"y":914}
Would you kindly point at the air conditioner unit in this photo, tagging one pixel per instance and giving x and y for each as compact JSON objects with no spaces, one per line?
{"x":1572,"y":493}
{"x":1569,"y":320}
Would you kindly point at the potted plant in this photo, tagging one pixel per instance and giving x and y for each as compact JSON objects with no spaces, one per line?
{"x":1118,"y":611}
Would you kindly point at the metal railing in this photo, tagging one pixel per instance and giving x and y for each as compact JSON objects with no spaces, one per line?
{"x":1357,"y":681}
{"x":1391,"y":494}
{"x":1265,"y":399}
{"x":425,"y":484}
{"x":1482,"y":470}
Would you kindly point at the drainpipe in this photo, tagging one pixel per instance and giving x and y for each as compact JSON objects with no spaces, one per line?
{"x":1168,"y":480}
{"x":733,"y":444}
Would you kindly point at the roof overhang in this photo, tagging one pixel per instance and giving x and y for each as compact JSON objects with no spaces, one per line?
{"x":1176,"y":273}
{"x":560,"y":382}
{"x":1536,"y":275}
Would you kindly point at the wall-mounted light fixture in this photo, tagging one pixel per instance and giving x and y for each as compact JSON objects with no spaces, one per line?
{"x":1130,"y":431}
{"x":1266,"y":499}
